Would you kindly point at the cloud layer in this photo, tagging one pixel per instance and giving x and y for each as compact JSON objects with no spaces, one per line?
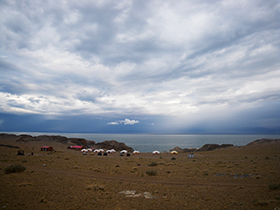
{"x":125,"y":122}
{"x":183,"y":63}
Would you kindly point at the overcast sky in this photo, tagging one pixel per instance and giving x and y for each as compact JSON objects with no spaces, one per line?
{"x":140,"y":66}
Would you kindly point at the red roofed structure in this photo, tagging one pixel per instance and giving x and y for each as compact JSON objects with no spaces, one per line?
{"x":76,"y":147}
{"x":46,"y":148}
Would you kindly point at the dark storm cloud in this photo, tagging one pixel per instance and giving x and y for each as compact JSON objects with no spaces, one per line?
{"x":173,"y":62}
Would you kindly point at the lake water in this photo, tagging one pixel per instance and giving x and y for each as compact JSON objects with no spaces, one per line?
{"x":151,"y":142}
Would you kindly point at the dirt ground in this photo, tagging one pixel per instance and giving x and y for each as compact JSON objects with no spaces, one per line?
{"x":232,"y":178}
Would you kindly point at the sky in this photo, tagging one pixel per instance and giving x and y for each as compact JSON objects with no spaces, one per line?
{"x":132,"y":66}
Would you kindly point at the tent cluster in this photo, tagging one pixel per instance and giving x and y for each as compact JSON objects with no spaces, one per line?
{"x":98,"y":151}
{"x":111,"y":151}
{"x":123,"y":152}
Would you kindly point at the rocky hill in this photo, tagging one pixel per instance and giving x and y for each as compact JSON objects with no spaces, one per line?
{"x":70,"y":141}
{"x":209,"y":147}
{"x":206,"y":147}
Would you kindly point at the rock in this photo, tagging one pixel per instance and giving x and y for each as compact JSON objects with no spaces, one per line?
{"x":26,"y":138}
{"x":209,"y":147}
{"x":258,"y":176}
{"x":128,"y":192}
{"x":177,"y":149}
{"x":135,"y":194}
{"x":226,"y":145}
{"x":95,"y":188}
{"x":81,"y":142}
{"x":148,"y":195}
{"x":118,"y":146}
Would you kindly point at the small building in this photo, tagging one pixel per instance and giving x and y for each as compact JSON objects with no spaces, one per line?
{"x":77,"y":147}
{"x":46,"y":148}
{"x":191,"y":155}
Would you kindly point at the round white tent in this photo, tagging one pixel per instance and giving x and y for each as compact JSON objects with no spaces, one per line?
{"x":156,"y":152}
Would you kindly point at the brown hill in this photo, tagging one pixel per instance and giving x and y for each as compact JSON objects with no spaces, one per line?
{"x":118,"y":146}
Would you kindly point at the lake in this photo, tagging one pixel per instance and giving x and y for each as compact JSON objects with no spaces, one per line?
{"x":162,"y":142}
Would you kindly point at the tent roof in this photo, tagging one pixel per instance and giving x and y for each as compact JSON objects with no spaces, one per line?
{"x":46,"y":147}
{"x":77,"y":146}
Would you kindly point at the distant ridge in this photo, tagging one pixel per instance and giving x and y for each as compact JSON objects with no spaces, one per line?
{"x":210,"y":147}
{"x":262,"y":141}
{"x":113,"y":144}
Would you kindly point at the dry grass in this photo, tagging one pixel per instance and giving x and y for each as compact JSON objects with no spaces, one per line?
{"x":66,"y":179}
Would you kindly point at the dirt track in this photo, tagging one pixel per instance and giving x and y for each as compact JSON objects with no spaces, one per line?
{"x":148,"y":180}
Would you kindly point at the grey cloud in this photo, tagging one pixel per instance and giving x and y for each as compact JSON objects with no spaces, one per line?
{"x":134,"y":57}
{"x":89,"y":96}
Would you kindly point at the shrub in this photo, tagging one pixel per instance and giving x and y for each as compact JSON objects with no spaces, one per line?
{"x":153,"y":164}
{"x":14,"y":169}
{"x":173,"y":158}
{"x":274,"y":186}
{"x":151,"y":172}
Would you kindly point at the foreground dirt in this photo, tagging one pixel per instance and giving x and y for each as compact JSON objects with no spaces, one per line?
{"x":232,"y":178}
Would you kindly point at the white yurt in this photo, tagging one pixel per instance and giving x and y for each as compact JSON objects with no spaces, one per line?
{"x":156,"y":152}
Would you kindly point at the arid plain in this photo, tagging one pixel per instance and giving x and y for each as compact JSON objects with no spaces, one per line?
{"x":246,"y":177}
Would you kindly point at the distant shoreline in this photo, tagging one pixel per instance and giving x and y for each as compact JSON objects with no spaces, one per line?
{"x":118,"y":145}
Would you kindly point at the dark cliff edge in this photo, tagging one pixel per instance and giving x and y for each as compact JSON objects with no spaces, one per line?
{"x":113,"y":144}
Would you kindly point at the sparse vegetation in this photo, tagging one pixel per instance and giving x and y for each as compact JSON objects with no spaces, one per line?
{"x":220,"y":179}
{"x":151,"y":172}
{"x":14,"y":169}
{"x":274,"y":186}
{"x":153,"y":164}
